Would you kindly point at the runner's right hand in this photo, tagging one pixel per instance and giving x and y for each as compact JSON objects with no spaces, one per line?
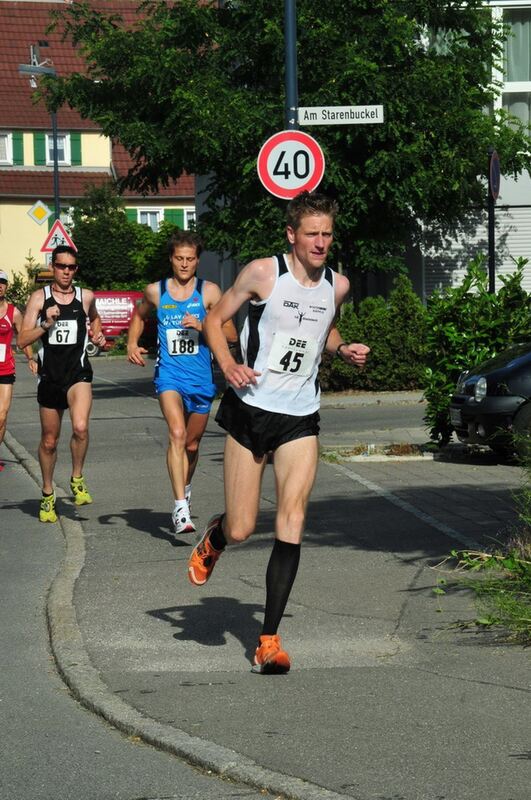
{"x":239,"y":375}
{"x":134,"y":355}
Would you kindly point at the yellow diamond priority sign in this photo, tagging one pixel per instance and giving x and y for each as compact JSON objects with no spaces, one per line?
{"x":39,"y":212}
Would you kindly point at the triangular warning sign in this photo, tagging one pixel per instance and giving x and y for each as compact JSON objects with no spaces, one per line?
{"x":57,"y":236}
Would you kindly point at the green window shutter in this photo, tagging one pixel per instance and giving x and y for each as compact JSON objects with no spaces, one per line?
{"x":131,"y":215}
{"x":39,"y":149}
{"x":75,"y":149}
{"x":18,"y":148}
{"x":175,"y":216}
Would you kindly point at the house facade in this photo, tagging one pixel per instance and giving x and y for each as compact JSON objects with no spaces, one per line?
{"x":85,"y":157}
{"x":436,"y":269}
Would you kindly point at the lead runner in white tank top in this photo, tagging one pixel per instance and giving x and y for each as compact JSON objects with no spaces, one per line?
{"x":283,"y":338}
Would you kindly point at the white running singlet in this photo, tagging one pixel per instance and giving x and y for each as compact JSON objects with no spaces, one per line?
{"x":283,"y":338}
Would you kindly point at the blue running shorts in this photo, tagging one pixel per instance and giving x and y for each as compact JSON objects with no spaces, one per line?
{"x":196,"y":399}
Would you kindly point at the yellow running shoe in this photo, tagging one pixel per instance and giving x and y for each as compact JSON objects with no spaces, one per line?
{"x":80,"y":491}
{"x":47,"y":508}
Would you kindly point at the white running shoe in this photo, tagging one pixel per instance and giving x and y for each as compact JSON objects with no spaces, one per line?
{"x":181,"y":520}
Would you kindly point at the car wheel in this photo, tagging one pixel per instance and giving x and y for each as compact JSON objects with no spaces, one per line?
{"x":92,"y":349}
{"x":503,"y":451}
{"x":522,"y":432}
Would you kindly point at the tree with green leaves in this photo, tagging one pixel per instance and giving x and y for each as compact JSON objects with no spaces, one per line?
{"x":199,"y":86}
{"x":113,"y":252}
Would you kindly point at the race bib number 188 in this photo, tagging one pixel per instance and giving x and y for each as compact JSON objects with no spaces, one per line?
{"x":182,"y":341}
{"x":291,"y":354}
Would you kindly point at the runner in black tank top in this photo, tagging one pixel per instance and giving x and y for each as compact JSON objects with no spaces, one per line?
{"x":62,"y":357}
{"x":58,"y":317}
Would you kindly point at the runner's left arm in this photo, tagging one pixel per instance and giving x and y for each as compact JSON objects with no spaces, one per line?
{"x":95,"y":332}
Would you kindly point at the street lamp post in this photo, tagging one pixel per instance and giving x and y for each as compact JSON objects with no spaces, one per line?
{"x":290,"y":62}
{"x":34,"y":69}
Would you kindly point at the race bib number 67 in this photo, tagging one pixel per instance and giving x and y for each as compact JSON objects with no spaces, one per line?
{"x":182,"y":341}
{"x":292,"y":355}
{"x":63,"y":332}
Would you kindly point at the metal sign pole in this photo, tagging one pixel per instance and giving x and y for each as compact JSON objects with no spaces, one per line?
{"x":290,"y":61}
{"x":56,"y":196}
{"x":494,"y":188}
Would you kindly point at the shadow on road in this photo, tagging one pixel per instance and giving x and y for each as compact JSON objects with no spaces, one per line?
{"x":211,"y":619}
{"x":145,"y":520}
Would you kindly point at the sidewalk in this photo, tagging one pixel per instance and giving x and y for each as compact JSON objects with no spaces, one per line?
{"x":386,"y":699}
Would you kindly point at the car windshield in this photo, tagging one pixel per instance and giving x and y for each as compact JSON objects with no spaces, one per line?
{"x":504,"y":359}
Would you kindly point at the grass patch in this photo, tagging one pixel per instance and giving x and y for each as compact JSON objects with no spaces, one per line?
{"x":501,"y":578}
{"x":338,"y":454}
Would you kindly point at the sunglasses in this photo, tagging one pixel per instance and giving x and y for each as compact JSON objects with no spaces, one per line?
{"x":60,"y":265}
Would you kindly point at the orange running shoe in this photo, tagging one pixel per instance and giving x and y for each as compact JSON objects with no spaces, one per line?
{"x":204,"y":556}
{"x":270,"y":659}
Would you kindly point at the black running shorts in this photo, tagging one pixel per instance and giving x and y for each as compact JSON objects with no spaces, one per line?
{"x":261,"y":431}
{"x":7,"y":378}
{"x":53,"y":395}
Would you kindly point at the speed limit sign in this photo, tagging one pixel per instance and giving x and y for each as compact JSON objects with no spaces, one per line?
{"x":290,"y":162}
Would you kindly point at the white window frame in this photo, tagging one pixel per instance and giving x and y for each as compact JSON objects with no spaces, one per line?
{"x":67,"y":161}
{"x":189,"y":213}
{"x":507,"y":87}
{"x":158,"y":210}
{"x":9,"y":148}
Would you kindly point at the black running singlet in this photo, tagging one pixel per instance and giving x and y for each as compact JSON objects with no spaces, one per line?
{"x":62,"y":357}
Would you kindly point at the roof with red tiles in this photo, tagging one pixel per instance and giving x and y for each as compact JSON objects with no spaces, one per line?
{"x":182,"y":187}
{"x":39,"y":184}
{"x":23,"y":23}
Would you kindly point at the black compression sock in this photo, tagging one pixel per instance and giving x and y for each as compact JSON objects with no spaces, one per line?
{"x":280,"y":576}
{"x":217,"y":537}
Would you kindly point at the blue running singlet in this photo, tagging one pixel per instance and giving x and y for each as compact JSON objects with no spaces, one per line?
{"x":183,"y":358}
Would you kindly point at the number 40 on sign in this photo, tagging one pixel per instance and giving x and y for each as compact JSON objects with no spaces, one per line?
{"x":290,"y":162}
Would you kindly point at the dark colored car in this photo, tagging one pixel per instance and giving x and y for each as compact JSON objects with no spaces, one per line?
{"x":492,"y":402}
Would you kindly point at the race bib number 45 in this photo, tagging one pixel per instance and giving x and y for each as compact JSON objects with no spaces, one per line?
{"x":182,"y":341}
{"x":292,"y":355}
{"x":64,"y":331}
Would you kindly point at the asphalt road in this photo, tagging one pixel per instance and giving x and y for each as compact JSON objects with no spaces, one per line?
{"x":386,"y":699}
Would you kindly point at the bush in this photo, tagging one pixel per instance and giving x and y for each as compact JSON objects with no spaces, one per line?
{"x":115,"y":253}
{"x":395,"y":330}
{"x":21,"y":286}
{"x":466,"y":325}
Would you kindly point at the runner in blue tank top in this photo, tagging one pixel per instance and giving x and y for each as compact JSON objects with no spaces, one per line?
{"x":183,"y":372}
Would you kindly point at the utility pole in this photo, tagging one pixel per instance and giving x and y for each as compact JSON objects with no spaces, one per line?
{"x":33,"y":69}
{"x":290,"y":61}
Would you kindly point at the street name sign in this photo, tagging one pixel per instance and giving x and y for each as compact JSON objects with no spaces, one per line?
{"x":341,"y":115}
{"x":290,"y":162}
{"x":56,"y":237}
{"x":39,"y":212}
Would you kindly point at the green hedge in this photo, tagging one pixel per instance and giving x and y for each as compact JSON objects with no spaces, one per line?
{"x":395,"y":330}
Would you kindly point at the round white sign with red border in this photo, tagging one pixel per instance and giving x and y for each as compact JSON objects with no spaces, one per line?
{"x":290,"y":162}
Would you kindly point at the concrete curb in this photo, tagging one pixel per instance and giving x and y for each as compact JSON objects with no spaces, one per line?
{"x":84,"y":681}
